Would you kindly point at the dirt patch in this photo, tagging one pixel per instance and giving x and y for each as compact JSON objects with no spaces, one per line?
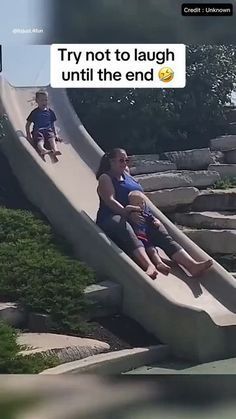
{"x":120,"y":332}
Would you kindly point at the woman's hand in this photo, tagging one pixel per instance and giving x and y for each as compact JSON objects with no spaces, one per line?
{"x":136,"y":217}
{"x":156,"y":222}
{"x":131,"y":208}
{"x":133,"y":213}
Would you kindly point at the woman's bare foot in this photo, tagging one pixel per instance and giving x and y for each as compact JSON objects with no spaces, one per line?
{"x":57,"y":153}
{"x":163,"y":268}
{"x":200,"y":267}
{"x":151,"y":271}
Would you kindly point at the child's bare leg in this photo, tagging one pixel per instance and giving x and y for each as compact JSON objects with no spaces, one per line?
{"x":140,"y":256}
{"x":156,"y":260}
{"x":169,"y":262}
{"x":53,"y":145}
{"x":41,"y":148}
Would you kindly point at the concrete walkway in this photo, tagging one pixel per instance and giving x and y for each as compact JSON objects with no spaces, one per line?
{"x":226,"y":366}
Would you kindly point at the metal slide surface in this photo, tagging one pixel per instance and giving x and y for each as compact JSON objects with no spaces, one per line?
{"x":196,"y":317}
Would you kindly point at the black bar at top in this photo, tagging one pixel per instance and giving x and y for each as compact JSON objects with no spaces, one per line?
{"x":207,"y":9}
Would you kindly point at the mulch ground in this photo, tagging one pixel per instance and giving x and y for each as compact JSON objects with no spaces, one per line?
{"x":120,"y":332}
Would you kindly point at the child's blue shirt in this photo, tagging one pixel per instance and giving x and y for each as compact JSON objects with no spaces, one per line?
{"x":42,"y":119}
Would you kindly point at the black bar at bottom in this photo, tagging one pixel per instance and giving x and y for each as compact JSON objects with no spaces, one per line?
{"x":207,"y":9}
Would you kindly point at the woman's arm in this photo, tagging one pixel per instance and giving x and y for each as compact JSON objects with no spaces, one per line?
{"x":27,"y":129}
{"x":106,"y":192}
{"x":156,"y":222}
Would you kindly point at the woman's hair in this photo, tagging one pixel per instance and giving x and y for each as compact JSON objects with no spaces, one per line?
{"x":105,"y":164}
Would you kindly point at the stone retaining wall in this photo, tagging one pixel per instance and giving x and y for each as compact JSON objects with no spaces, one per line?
{"x":173,"y":180}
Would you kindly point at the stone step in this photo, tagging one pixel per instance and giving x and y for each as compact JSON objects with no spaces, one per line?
{"x":224,"y":170}
{"x":215,"y":200}
{"x":105,"y":299}
{"x":213,"y":241}
{"x":12,"y":314}
{"x":217,"y":157}
{"x":170,"y":199}
{"x":224,"y":143}
{"x":196,"y":159}
{"x":228,"y":261}
{"x":139,"y":157}
{"x":66,"y":348}
{"x":207,"y":219}
{"x":231,"y":115}
{"x":230,"y":157}
{"x":150,"y":164}
{"x":177,"y":179}
{"x":232,"y":127}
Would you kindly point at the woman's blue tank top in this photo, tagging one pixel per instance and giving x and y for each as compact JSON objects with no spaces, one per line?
{"x":122,"y":189}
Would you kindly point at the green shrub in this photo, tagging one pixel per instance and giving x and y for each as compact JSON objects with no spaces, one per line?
{"x":19,"y":224}
{"x":43,"y":280}
{"x":226,"y":183}
{"x":31,"y":364}
{"x":8,"y":345}
{"x":35,"y":272}
{"x":12,"y":362}
{"x":22,"y":224}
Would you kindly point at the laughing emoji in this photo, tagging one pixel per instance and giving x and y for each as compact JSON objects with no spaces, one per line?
{"x":166,"y":74}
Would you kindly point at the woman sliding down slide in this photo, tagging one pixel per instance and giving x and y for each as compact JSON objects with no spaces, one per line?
{"x":116,"y":217}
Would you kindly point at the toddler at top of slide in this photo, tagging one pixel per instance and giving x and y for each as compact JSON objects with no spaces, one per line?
{"x":43,"y":119}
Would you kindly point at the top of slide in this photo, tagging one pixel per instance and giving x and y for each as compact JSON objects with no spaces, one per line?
{"x":196,"y":318}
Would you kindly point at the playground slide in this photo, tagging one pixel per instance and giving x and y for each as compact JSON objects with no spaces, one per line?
{"x":196,"y":317}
